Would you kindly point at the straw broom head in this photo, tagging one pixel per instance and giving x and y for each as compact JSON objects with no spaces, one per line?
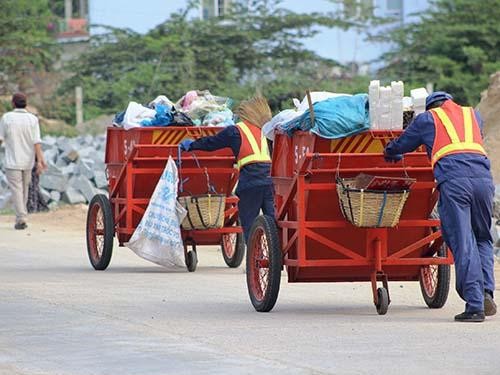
{"x":255,"y":111}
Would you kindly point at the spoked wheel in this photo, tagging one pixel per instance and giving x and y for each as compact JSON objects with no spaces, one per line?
{"x":382,"y":304}
{"x":100,"y":232}
{"x":233,"y":249}
{"x":191,"y":257}
{"x":264,"y":263}
{"x":435,"y":282}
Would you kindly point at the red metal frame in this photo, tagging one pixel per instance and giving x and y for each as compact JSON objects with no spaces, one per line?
{"x":318,"y":244}
{"x":135,"y":161}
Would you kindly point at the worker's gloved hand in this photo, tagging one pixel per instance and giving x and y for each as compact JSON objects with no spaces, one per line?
{"x":393,"y":158}
{"x":186,"y":144}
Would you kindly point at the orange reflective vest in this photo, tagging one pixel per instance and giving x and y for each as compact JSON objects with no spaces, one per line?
{"x":457,"y":131}
{"x":253,"y":147}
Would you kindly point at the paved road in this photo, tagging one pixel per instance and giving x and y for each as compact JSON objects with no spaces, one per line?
{"x":58,"y":316}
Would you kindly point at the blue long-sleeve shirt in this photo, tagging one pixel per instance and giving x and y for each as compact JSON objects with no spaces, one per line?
{"x":422,"y":132}
{"x":251,"y":175}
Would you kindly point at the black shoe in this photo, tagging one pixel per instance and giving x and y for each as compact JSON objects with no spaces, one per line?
{"x":475,"y":317}
{"x":490,"y":307}
{"x":21,"y":226}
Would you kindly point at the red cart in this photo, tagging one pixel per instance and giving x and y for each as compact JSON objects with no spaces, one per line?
{"x":311,"y":238}
{"x":135,"y":160}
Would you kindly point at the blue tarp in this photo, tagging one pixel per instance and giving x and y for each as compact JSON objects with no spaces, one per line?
{"x":334,"y":118}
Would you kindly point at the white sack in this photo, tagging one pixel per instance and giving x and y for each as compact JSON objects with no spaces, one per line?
{"x":157,"y":238}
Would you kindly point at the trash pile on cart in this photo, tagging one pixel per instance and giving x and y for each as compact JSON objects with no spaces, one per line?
{"x":195,"y":108}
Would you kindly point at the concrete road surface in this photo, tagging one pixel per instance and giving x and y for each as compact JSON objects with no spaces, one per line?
{"x":59,"y":316}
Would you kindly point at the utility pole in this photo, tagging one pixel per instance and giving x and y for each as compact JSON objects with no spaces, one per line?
{"x":79,"y":104}
{"x":68,"y":10}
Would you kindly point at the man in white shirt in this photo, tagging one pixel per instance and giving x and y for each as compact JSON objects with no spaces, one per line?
{"x":20,"y":132}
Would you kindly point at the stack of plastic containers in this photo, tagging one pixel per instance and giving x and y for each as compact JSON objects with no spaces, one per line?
{"x":386,"y":105}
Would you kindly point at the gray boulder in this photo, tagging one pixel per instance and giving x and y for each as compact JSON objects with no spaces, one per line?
{"x":84,"y":186}
{"x":496,"y":203}
{"x":54,"y":181}
{"x":55,"y":196}
{"x":73,"y":196}
{"x":86,"y":168}
{"x":101,"y":182}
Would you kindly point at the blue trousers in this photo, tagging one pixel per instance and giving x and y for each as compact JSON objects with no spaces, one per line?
{"x":251,"y":201}
{"x":465,"y":208}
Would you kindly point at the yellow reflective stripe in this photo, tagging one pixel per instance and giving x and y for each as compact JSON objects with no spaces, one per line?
{"x":250,"y":137}
{"x":468,"y":124}
{"x":462,"y":146}
{"x":258,"y":155}
{"x":450,"y":129}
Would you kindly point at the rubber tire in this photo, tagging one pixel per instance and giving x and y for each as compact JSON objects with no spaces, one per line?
{"x":268,"y":225}
{"x":382,"y":301}
{"x":192,"y":259}
{"x":109,"y":232}
{"x":239,"y":252}
{"x":440,"y":296}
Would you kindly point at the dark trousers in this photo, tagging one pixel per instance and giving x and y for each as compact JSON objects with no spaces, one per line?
{"x":253,"y":200}
{"x":465,"y":208}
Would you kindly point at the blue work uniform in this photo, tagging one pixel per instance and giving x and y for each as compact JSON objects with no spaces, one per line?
{"x":465,"y":207}
{"x":255,"y":186}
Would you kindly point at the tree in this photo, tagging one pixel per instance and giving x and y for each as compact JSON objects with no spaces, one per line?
{"x":245,"y":50}
{"x":455,"y":45}
{"x":25,"y":42}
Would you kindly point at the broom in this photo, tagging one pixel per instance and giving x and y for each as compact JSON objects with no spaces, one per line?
{"x":255,"y":111}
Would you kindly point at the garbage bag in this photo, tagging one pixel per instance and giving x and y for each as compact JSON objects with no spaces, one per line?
{"x":334,"y":118}
{"x":181,"y":119}
{"x":157,"y":238}
{"x":163,"y":116}
{"x":316,"y":96}
{"x":161,"y":100}
{"x":219,"y":118}
{"x":136,"y":113}
{"x":281,"y":118}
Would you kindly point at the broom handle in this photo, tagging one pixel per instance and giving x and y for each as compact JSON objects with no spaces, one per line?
{"x":311,"y":108}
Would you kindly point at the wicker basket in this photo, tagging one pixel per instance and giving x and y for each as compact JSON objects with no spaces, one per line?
{"x":370,"y":208}
{"x":203,"y":211}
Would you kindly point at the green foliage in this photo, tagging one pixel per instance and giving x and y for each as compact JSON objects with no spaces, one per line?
{"x":234,"y":56}
{"x":25,"y":43}
{"x":455,"y":45}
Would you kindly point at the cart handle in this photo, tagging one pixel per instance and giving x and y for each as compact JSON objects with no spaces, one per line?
{"x":210,"y":187}
{"x":337,"y":175}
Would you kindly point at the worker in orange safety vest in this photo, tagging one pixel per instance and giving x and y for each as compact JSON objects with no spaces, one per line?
{"x":452,"y":136}
{"x":249,"y":146}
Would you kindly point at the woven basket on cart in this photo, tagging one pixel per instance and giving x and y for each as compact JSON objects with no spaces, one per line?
{"x":203,"y":211}
{"x":370,"y":208}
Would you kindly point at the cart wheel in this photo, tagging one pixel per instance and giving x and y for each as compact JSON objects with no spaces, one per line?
{"x":191,"y":258}
{"x":264,"y":262}
{"x":233,"y":249}
{"x":435,"y":282}
{"x":382,"y":304}
{"x":100,"y":232}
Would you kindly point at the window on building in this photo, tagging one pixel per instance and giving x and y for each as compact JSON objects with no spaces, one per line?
{"x":208,"y":9}
{"x":214,"y":8}
{"x":394,"y":7}
{"x":357,"y":8}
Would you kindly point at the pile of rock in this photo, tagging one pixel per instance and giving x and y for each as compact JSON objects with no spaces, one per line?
{"x":76,"y":170}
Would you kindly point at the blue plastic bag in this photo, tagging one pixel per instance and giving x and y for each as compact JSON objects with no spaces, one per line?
{"x":334,"y":118}
{"x":163,"y":117}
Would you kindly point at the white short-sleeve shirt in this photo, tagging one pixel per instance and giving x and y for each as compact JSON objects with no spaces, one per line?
{"x":19,"y":131}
